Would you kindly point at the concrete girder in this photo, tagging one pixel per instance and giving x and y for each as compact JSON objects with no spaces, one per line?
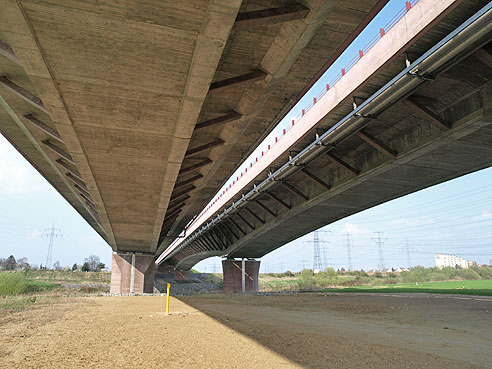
{"x":268,"y":17}
{"x":378,"y":145}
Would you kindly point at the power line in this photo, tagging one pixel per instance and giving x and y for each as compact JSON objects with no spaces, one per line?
{"x":303,"y":264}
{"x":443,"y":225}
{"x":408,"y":249}
{"x":380,"y":242}
{"x":445,"y":200}
{"x":348,"y":245}
{"x":317,"y":263}
{"x":53,"y":233}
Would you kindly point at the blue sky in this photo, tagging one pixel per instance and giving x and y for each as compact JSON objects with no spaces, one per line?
{"x":454,"y":217}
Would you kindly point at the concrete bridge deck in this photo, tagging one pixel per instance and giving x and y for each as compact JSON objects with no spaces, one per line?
{"x":121,"y":104}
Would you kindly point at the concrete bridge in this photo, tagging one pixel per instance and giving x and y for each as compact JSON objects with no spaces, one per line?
{"x":429,"y":123}
{"x":138,"y":112}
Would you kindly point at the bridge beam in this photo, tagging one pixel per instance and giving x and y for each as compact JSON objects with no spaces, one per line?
{"x":188,"y":181}
{"x":53,"y":133}
{"x":315,"y":178}
{"x":195,"y":166}
{"x":238,"y":80}
{"x":132,"y":273}
{"x":340,"y":163}
{"x":266,"y":17}
{"x":234,"y":115}
{"x":181,"y":193}
{"x":427,"y":113}
{"x":233,"y":275}
{"x":22,"y":93}
{"x":207,"y":146}
{"x":7,"y":51}
{"x":377,"y":145}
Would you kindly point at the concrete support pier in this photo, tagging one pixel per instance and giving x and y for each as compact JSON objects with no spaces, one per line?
{"x":235,"y":280}
{"x":132,"y":273}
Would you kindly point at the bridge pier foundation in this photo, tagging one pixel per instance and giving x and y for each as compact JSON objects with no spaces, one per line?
{"x":132,"y":273}
{"x":240,"y":275}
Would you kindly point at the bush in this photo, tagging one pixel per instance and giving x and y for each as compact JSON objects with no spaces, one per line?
{"x":327,"y":278}
{"x":12,"y":283}
{"x":485,"y":272}
{"x":306,"y":279}
{"x":468,"y":274}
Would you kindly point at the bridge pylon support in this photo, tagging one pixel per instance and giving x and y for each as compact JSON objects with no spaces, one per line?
{"x":132,"y":273}
{"x":240,"y":275}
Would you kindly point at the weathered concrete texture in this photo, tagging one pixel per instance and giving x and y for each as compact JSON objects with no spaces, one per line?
{"x":232,"y":275}
{"x":122,"y":270}
{"x":131,"y":77}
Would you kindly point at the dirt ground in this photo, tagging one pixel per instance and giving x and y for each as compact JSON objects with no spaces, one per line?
{"x":231,"y":331}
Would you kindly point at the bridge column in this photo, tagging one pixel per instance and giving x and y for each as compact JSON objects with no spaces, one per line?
{"x":234,"y":277}
{"x":132,"y":273}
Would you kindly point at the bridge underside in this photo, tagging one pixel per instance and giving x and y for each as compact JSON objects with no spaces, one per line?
{"x":136,"y":111}
{"x":440,"y":131}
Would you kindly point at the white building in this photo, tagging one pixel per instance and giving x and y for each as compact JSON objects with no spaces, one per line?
{"x":447,"y":260}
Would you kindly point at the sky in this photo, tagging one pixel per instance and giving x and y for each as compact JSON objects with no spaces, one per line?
{"x":29,"y":205}
{"x":453,"y":217}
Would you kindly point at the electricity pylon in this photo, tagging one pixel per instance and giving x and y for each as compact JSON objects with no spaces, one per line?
{"x":53,"y":233}
{"x":317,"y":261}
{"x":380,"y":242}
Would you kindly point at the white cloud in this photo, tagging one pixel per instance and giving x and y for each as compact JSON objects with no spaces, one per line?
{"x":354,"y":229}
{"x":34,"y":235}
{"x":485,"y":215}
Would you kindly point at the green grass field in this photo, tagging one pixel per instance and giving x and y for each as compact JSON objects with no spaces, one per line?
{"x":480,"y":288}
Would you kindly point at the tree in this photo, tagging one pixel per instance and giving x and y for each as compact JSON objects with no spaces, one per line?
{"x":100,"y":266}
{"x":23,"y":264}
{"x":11,"y":263}
{"x":85,"y":267}
{"x":75,"y":267}
{"x":57,"y":265}
{"x":93,"y":262}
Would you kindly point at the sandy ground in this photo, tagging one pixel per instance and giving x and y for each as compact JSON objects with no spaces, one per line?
{"x":224,"y":331}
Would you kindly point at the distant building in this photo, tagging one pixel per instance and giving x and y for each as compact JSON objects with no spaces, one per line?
{"x":453,"y":261}
{"x":401,"y":269}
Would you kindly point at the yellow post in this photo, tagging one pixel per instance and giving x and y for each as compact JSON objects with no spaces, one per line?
{"x":167,"y":298}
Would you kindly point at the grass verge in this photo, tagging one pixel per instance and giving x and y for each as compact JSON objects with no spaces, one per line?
{"x":478,"y":288}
